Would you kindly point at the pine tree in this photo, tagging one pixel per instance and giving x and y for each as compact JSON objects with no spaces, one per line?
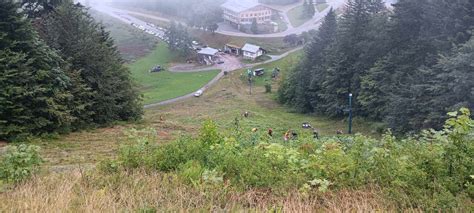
{"x":308,"y":9}
{"x":450,"y":85}
{"x":37,"y":8}
{"x":87,"y":46}
{"x":312,"y":10}
{"x":354,"y":54}
{"x":254,"y":26}
{"x":304,"y":84}
{"x":34,"y":94}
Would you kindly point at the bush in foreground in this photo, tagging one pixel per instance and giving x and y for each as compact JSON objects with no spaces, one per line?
{"x":432,"y":170}
{"x":19,"y":163}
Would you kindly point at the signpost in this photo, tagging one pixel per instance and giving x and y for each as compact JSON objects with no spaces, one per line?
{"x":350,"y":113}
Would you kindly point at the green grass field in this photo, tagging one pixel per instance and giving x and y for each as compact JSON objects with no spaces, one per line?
{"x":296,"y":16}
{"x":222,"y":102}
{"x":284,"y":65}
{"x":132,"y":43}
{"x":321,"y":7}
{"x":165,"y":85}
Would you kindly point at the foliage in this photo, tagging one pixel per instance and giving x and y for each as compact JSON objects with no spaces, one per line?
{"x":407,"y":81}
{"x":36,"y":91}
{"x":202,"y":14}
{"x":19,"y":163}
{"x":268,"y":87}
{"x":73,"y":80}
{"x":254,"y":26}
{"x":429,"y":171}
{"x":37,"y":8}
{"x":178,"y":39}
{"x":308,"y":9}
{"x":89,"y":48}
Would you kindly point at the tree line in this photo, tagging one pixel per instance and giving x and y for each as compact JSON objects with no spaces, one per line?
{"x":59,"y":71}
{"x":406,"y":66}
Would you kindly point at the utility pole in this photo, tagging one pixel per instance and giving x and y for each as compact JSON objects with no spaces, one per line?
{"x":350,"y":113}
{"x":250,"y":75}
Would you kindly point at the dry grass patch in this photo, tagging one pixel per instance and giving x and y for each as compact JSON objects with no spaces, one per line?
{"x":77,"y":191}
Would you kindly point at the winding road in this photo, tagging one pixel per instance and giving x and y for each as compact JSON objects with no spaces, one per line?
{"x":229,"y":64}
{"x":220,"y":75}
{"x":309,"y":25}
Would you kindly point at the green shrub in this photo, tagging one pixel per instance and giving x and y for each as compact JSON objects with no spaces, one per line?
{"x":19,"y":163}
{"x":431,"y":171}
{"x":268,"y":87}
{"x":191,"y":172}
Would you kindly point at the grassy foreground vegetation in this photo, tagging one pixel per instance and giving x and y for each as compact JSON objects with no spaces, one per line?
{"x":237,"y":170}
{"x":224,"y":166}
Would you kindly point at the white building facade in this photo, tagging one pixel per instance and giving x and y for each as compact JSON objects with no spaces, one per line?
{"x":243,"y":12}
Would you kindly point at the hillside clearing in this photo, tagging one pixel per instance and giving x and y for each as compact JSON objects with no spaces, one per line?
{"x":223,"y":102}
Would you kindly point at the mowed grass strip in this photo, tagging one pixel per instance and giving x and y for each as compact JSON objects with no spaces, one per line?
{"x":165,"y":85}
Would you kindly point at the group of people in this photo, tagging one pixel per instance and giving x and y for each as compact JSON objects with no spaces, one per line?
{"x":290,"y":134}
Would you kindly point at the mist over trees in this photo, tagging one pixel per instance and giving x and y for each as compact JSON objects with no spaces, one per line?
{"x":196,"y":13}
{"x":406,"y":68}
{"x":278,"y":1}
{"x":179,"y":39}
{"x":67,"y":77}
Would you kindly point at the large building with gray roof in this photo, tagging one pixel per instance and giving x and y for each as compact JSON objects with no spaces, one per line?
{"x":243,"y":12}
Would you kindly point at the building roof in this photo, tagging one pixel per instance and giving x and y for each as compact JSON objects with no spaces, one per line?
{"x":208,"y":51}
{"x":240,"y":5}
{"x":251,"y":48}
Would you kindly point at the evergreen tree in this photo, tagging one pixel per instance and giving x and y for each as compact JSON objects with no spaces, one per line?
{"x":254,"y":26}
{"x":391,"y":64}
{"x":308,"y":9}
{"x":305,"y":9}
{"x":37,"y":8}
{"x":34,"y":94}
{"x":355,"y":51}
{"x":88,"y":48}
{"x":303,"y":86}
{"x":453,"y":84}
{"x":178,"y":39}
{"x":312,"y":10}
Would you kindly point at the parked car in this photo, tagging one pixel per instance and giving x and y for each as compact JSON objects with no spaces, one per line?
{"x":306,"y":125}
{"x":220,"y":62}
{"x":156,"y":69}
{"x":198,"y":93}
{"x":259,"y":72}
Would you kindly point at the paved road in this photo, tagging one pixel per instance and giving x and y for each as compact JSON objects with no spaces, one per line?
{"x":309,"y":25}
{"x":235,"y":66}
{"x":230,"y":63}
{"x":128,"y":19}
